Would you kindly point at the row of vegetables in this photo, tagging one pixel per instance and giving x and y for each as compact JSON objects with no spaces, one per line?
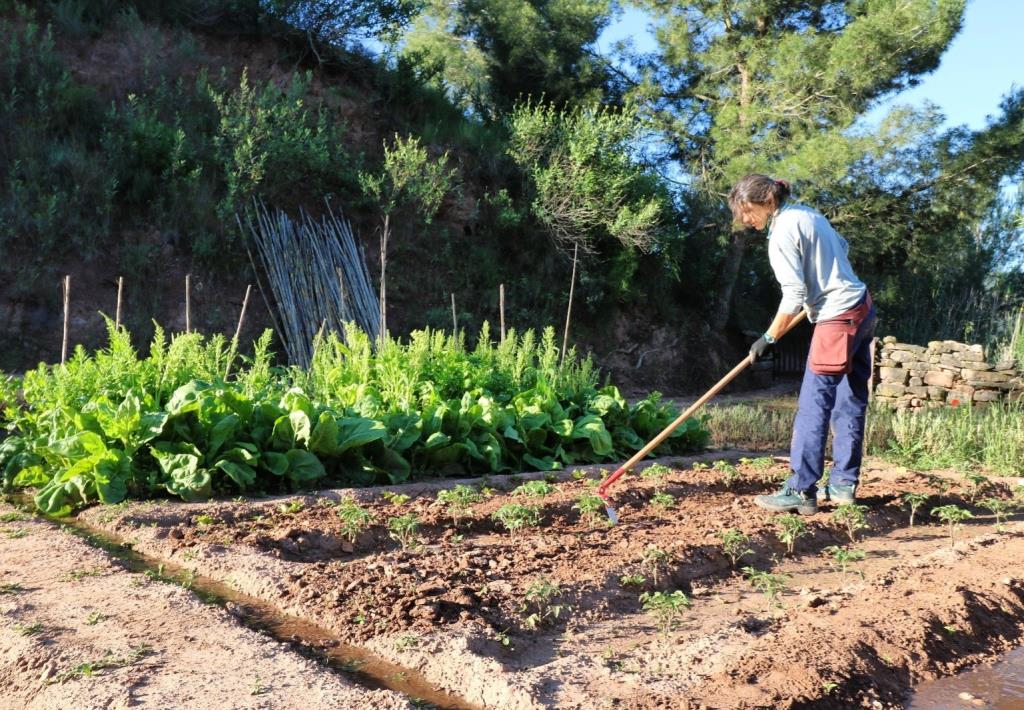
{"x":107,"y":427}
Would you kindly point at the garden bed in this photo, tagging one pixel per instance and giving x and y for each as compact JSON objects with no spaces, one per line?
{"x":551,"y":615}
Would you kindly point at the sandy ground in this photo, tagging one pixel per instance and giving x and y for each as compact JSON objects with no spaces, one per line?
{"x":455,"y":606}
{"x":77,"y":630}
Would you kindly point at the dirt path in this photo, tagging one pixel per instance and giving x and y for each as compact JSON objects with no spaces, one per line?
{"x":457,"y":604}
{"x":77,"y":630}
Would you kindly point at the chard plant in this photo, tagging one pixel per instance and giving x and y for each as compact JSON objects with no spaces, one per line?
{"x":403,"y":529}
{"x":790,"y":528}
{"x":953,"y":516}
{"x":662,"y":500}
{"x":534,"y":489}
{"x":354,"y":519}
{"x":1000,"y":508}
{"x":666,"y":607}
{"x":734,"y":544}
{"x":591,"y":507}
{"x":771,"y":585}
{"x":459,"y":500}
{"x":851,"y":516}
{"x":843,"y":557}
{"x":538,"y":604}
{"x":515,"y":517}
{"x":913,"y":501}
{"x":655,"y":562}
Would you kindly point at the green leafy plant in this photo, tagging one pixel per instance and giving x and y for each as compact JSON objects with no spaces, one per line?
{"x":354,"y":519}
{"x":1000,"y":508}
{"x":655,"y":562}
{"x":666,"y":607}
{"x":771,"y":585}
{"x":976,"y":483}
{"x":459,"y":501}
{"x":851,"y":516}
{"x":515,"y":517}
{"x":292,"y":507}
{"x":842,"y":558}
{"x":94,"y":618}
{"x":395,"y":498}
{"x":658,"y":473}
{"x":663,"y":500}
{"x":790,"y":528}
{"x":538,"y":603}
{"x":913,"y":501}
{"x":632,"y":580}
{"x":591,"y":507}
{"x":533,"y":489}
{"x":734,"y":544}
{"x":953,"y":516}
{"x":403,"y":529}
{"x":36,"y":627}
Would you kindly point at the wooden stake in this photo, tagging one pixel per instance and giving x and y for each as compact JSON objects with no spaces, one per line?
{"x":241,"y":317}
{"x":120,"y":293}
{"x":455,"y":322}
{"x":188,"y":303}
{"x":501,"y":309}
{"x":384,"y":235}
{"x":568,"y":312}
{"x":67,"y":315}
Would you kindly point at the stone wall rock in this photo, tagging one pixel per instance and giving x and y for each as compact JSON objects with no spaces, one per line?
{"x":942,"y":373}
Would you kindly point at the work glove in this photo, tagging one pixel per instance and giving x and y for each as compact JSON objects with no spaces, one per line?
{"x":760,"y":347}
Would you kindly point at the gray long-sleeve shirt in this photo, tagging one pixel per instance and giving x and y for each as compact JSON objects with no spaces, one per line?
{"x":810,"y":262}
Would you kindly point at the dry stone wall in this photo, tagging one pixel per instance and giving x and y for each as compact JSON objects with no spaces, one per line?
{"x":942,"y":373}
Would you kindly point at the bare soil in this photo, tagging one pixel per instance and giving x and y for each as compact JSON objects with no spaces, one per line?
{"x":77,"y":630}
{"x":456,"y":605}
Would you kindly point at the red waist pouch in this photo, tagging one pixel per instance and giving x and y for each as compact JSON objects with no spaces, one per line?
{"x":832,"y":342}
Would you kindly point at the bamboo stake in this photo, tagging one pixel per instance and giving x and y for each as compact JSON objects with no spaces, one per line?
{"x":241,"y":317}
{"x":188,"y":303}
{"x":501,"y":309}
{"x":455,"y":322}
{"x":67,"y":315}
{"x":120,"y":293}
{"x":385,"y":233}
{"x":568,"y":312}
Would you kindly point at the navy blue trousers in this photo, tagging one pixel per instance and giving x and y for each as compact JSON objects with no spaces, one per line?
{"x":841,"y":400}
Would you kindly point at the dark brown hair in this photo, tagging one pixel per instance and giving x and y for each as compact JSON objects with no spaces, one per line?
{"x":757,"y":189}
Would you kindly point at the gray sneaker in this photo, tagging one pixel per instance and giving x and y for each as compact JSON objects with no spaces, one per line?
{"x":838,"y":493}
{"x":787,"y":500}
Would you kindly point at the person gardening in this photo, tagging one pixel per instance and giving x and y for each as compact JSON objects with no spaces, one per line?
{"x":809,"y":259}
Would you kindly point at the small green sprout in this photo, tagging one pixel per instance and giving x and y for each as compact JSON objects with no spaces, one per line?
{"x":655,"y":562}
{"x":663,"y":500}
{"x":842,"y":558}
{"x":914,"y":501}
{"x":292,"y":507}
{"x":791,"y":527}
{"x":976,"y":483}
{"x":538,"y":603}
{"x":851,"y":516}
{"x":632,"y":580}
{"x":403,"y":529}
{"x":666,"y":607}
{"x":953,"y":516}
{"x":734,"y":544}
{"x":590,"y":506}
{"x":771,"y":585}
{"x":395,"y":498}
{"x":459,"y":501}
{"x":533,"y":489}
{"x":354,"y":519}
{"x":1000,"y":508}
{"x":515,"y":517}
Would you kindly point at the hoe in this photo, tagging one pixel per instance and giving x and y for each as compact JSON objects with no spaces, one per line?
{"x":654,"y":443}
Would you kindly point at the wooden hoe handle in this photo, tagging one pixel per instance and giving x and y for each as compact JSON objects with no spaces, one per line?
{"x":667,"y":431}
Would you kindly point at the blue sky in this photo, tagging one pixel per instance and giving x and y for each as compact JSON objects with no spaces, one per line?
{"x":980,"y":66}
